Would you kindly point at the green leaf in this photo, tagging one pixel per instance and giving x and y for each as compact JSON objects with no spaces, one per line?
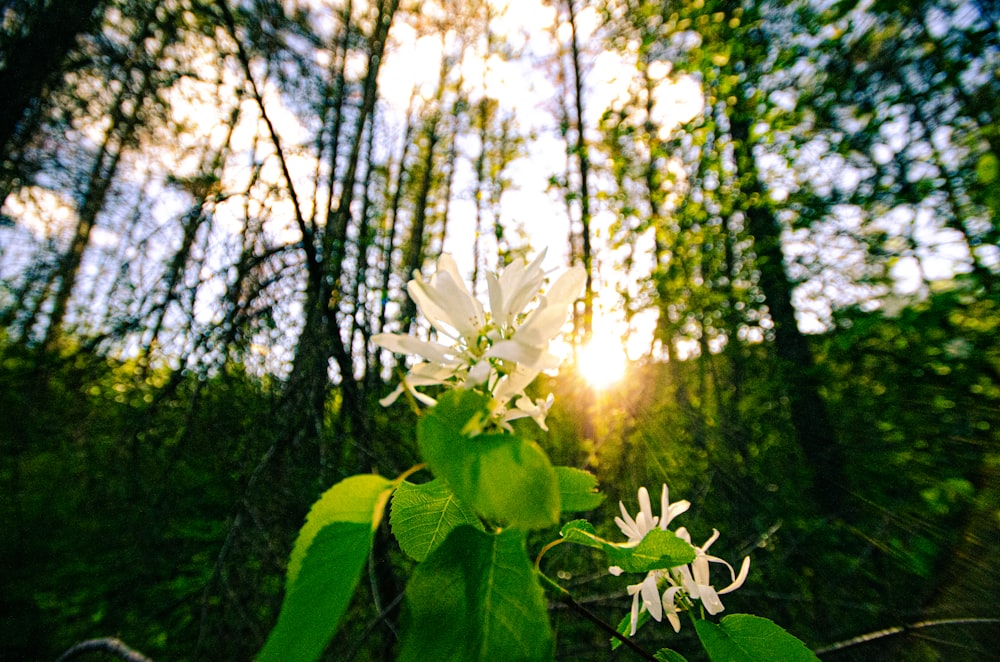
{"x":746,"y":638}
{"x":659,"y":549}
{"x":577,"y":490}
{"x":505,"y":479}
{"x":325,"y":567}
{"x":667,"y":655}
{"x":423,"y":515}
{"x":476,"y":597}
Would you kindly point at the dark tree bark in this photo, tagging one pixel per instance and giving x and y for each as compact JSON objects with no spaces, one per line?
{"x":808,"y":411}
{"x":121,"y":132}
{"x":415,"y":247}
{"x":34,"y":56}
{"x":583,"y":164}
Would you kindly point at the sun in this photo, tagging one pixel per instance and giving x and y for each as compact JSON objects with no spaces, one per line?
{"x":602,"y":361}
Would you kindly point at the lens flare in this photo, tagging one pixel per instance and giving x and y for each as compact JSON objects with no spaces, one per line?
{"x":602,"y":361}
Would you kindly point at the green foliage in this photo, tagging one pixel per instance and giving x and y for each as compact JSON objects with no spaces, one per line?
{"x":667,"y":655}
{"x":134,"y":475}
{"x":659,"y":549}
{"x":325,"y":566}
{"x":474,"y":595}
{"x":577,"y":490}
{"x":507,"y":480}
{"x":746,"y":638}
{"x":476,"y":598}
{"x":423,"y":515}
{"x":316,"y":600}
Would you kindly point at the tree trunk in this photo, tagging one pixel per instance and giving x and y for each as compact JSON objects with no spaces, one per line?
{"x":583,"y":162}
{"x":414,"y":256}
{"x":102,"y":174}
{"x":808,"y":411}
{"x":36,"y":55}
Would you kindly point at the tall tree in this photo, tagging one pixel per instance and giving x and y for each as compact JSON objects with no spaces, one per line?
{"x":719,"y":240}
{"x":138,"y":89}
{"x":576,"y":181}
{"x":36,"y":40}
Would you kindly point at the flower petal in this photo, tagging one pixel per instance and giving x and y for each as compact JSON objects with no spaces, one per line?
{"x":742,"y":577}
{"x":645,"y":506}
{"x":669,"y":511}
{"x":401,"y":344}
{"x":534,"y":356}
{"x":478,"y":373}
{"x":712,"y":539}
{"x":635,"y":607}
{"x":392,"y":397}
{"x":651,"y":597}
{"x":519,"y":284}
{"x":627,"y":524}
{"x":710,"y":599}
{"x":670,"y":607}
{"x":446,"y":302}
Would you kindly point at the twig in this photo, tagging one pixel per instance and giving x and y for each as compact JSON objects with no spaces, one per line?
{"x":596,"y":620}
{"x":372,"y":625}
{"x":900,"y":629}
{"x":108,"y":645}
{"x":586,"y":613}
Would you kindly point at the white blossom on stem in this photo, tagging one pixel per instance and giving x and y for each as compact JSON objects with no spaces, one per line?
{"x":681,"y":584}
{"x":636,"y":529}
{"x":499,"y":351}
{"x":695,"y":577}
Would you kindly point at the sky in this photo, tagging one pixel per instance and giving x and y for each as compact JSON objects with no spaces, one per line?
{"x":522,"y":87}
{"x":527,"y":89}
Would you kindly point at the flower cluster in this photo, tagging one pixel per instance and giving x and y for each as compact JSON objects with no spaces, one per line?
{"x":682,"y":584}
{"x":500,"y":350}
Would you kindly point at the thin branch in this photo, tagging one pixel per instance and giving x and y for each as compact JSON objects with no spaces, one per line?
{"x":372,"y":625}
{"x":564,"y":596}
{"x":901,"y":629}
{"x":307,"y":236}
{"x":596,"y":620}
{"x":108,"y":645}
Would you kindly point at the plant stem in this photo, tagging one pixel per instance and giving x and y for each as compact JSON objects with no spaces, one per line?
{"x":596,"y":620}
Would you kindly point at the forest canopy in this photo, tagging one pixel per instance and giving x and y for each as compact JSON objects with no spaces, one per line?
{"x":783,"y":214}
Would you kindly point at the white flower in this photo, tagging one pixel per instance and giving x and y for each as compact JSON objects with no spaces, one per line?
{"x":499,"y":351}
{"x":636,"y":529}
{"x":529,"y":344}
{"x":513,"y":290}
{"x":684,"y":582}
{"x":447,"y":303}
{"x":695,"y":578}
{"x":648,"y":591}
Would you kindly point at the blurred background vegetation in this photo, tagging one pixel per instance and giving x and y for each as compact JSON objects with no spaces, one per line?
{"x":210,"y":207}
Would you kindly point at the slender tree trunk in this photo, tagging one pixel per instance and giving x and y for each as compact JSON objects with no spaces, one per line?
{"x":414,"y":255}
{"x":333,"y":245}
{"x":102,"y":174}
{"x":483,"y":117}
{"x":362,"y":313}
{"x":389,"y":241}
{"x":583,"y":163}
{"x":808,"y":411}
{"x":336,"y":106}
{"x":35,"y":56}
